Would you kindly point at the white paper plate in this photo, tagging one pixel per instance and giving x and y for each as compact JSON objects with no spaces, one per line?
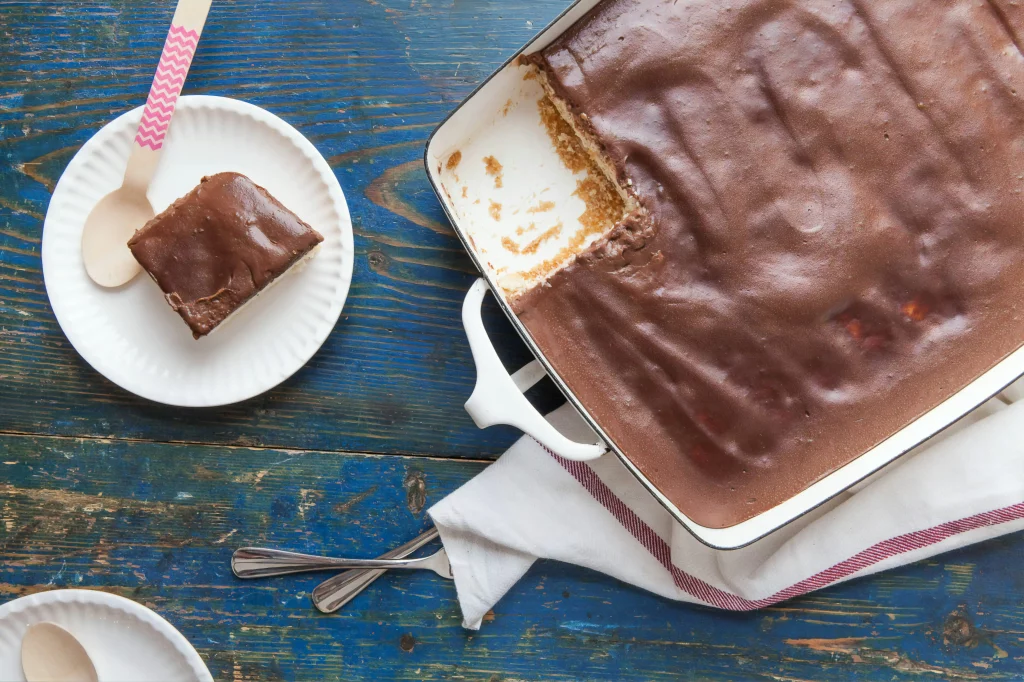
{"x":130,"y":334}
{"x":126,"y":641}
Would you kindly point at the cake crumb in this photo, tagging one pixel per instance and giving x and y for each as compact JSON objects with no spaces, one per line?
{"x":495,"y":210}
{"x":508,"y":107}
{"x":534,"y":244}
{"x":540,"y":270}
{"x":543,"y":237}
{"x":541,"y":207}
{"x":464,"y":190}
{"x":530,"y":75}
{"x":601,"y":208}
{"x":494,"y":169}
{"x":453,"y":160}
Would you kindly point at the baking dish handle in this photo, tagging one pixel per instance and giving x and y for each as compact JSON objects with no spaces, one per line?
{"x":498,"y":397}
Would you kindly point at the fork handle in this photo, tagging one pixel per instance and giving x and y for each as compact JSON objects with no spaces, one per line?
{"x":259,"y":562}
{"x":336,"y":591}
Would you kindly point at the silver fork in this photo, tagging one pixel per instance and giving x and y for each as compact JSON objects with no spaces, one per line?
{"x":259,"y":562}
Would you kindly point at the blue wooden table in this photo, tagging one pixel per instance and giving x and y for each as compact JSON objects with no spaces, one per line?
{"x":101,"y":490}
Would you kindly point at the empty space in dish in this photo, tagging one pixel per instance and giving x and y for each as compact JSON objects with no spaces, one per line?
{"x":523,"y":192}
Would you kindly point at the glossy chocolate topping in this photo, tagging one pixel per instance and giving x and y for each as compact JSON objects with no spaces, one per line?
{"x":834,"y":238}
{"x":218,"y":246}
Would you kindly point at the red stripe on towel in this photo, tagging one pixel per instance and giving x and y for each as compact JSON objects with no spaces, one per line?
{"x":709,"y":594}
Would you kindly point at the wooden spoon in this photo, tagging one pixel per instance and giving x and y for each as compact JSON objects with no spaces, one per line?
{"x":49,"y":653}
{"x":119,"y":214}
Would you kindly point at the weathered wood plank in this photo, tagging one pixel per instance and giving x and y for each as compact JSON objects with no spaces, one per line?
{"x":366,"y":82}
{"x":157,"y":523}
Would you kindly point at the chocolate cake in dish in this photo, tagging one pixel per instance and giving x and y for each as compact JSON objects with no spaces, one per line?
{"x":219,"y":246}
{"x":825,"y":237}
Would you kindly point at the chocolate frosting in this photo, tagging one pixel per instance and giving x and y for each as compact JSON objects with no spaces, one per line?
{"x":218,"y":246}
{"x":833,"y":242}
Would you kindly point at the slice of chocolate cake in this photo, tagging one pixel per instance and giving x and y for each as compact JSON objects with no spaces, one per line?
{"x":220,"y":245}
{"x":828,"y":236}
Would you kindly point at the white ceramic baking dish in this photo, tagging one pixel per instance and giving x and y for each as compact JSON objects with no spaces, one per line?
{"x":500,"y":120}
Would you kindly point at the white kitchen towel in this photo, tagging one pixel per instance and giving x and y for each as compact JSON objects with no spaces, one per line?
{"x":963,"y":487}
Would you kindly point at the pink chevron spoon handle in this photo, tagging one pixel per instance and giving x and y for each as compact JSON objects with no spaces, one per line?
{"x":179,"y":48}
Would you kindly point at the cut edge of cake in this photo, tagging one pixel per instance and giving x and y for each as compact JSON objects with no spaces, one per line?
{"x":633,"y":213}
{"x":587,"y":138}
